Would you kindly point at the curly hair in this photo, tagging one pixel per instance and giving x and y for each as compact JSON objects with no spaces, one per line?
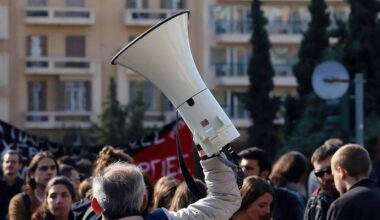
{"x":109,"y":155}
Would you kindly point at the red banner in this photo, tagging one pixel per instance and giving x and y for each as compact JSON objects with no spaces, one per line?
{"x":160,"y":158}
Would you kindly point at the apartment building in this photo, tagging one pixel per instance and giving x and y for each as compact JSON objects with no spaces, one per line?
{"x":4,"y":59}
{"x":55,"y":55}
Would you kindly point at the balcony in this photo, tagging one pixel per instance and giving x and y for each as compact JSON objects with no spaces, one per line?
{"x":279,"y":31}
{"x":59,"y":16}
{"x":146,"y":16}
{"x":231,"y":74}
{"x":51,"y":120}
{"x":227,"y":74}
{"x":61,"y":65}
{"x":286,"y":31}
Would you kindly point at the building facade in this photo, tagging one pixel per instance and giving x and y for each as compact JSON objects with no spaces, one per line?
{"x":55,"y":55}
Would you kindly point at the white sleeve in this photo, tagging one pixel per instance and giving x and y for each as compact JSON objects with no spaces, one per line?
{"x":223,"y":195}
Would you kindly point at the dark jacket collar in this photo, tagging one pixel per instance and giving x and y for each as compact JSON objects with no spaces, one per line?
{"x":365,"y":182}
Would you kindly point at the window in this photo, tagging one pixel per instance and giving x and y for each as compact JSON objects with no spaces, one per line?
{"x":219,"y":60}
{"x":36,"y":45}
{"x":76,"y":95}
{"x":75,"y":46}
{"x":147,"y":92}
{"x":221,"y":97}
{"x":278,"y":18}
{"x":299,"y":20}
{"x":37,"y":2}
{"x":166,"y":105}
{"x":37,"y":95}
{"x":173,"y":4}
{"x":282,"y":61}
{"x":137,"y":3}
{"x":75,"y":3}
{"x":231,"y":61}
{"x":238,"y":107}
{"x":231,"y":19}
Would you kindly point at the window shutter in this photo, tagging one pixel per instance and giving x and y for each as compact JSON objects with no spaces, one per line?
{"x":88,"y":87}
{"x":61,"y":99}
{"x":43,"y":96}
{"x":30,"y":96}
{"x":28,"y":45}
{"x":44,"y":45}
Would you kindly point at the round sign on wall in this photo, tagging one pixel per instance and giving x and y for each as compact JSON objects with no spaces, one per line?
{"x":330,"y":80}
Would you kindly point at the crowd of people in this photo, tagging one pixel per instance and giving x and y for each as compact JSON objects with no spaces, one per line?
{"x":337,"y":186}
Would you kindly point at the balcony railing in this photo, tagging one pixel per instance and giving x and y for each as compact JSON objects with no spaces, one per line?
{"x":241,"y":69}
{"x":61,"y":65}
{"x":50,"y":120}
{"x":231,"y":69}
{"x":146,"y":16}
{"x":63,"y":16}
{"x":290,"y":27}
{"x":273,"y":27}
{"x":229,"y":74}
{"x":233,"y":27}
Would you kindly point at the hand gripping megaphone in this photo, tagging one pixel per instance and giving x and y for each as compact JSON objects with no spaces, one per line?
{"x":162,"y":55}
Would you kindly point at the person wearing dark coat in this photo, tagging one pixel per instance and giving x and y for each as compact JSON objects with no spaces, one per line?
{"x":360,"y":198}
{"x":10,"y":182}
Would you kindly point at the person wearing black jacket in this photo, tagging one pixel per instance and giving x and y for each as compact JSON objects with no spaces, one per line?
{"x":360,"y":198}
{"x":319,"y":203}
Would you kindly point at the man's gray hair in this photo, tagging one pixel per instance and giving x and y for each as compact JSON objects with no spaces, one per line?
{"x":119,"y":190}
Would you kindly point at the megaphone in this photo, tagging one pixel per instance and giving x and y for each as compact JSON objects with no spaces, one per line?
{"x":162,"y":55}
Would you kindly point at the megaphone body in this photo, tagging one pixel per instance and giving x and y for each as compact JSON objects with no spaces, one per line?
{"x":162,"y":55}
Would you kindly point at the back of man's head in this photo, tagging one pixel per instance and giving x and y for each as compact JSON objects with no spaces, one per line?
{"x":262,"y":157}
{"x":119,"y":190}
{"x":354,"y":159}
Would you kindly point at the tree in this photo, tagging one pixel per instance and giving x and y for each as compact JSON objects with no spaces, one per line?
{"x":362,"y":55}
{"x":112,"y":128}
{"x":136,"y":114}
{"x":313,"y":49}
{"x":313,"y":46}
{"x":310,"y":132}
{"x":263,"y":108}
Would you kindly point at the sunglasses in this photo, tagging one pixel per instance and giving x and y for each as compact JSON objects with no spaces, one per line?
{"x":321,"y":173}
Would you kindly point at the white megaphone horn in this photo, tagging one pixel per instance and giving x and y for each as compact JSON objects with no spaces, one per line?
{"x":162,"y":55}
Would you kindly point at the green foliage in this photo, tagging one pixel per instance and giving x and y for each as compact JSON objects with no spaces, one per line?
{"x":305,"y":115}
{"x":136,"y":114}
{"x":112,"y":127}
{"x":263,"y":108}
{"x":292,"y":106}
{"x":311,"y":131}
{"x":313,"y":46}
{"x":362,"y":55}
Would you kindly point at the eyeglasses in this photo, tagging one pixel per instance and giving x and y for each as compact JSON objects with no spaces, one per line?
{"x":321,"y":173}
